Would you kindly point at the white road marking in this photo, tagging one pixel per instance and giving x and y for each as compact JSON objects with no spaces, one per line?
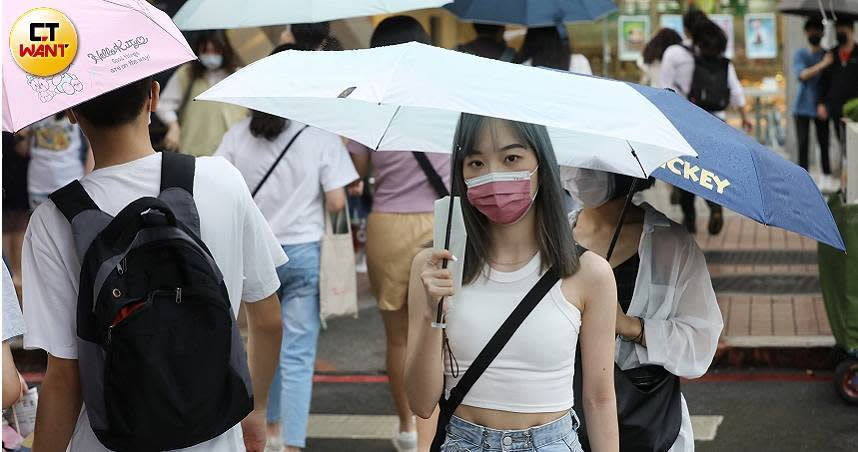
{"x":705,"y":428}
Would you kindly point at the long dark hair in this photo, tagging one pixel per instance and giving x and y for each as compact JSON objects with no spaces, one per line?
{"x":398,"y":30}
{"x":264,"y":125}
{"x":556,"y":245}
{"x":221,"y":43}
{"x":545,"y":47}
{"x":709,"y":38}
{"x":656,"y":46}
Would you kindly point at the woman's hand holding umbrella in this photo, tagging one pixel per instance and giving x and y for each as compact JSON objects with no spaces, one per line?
{"x":437,"y":280}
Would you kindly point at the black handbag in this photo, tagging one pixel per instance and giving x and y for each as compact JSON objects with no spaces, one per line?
{"x":489,"y":353}
{"x":649,"y":408}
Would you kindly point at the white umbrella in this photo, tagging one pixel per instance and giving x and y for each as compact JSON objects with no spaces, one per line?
{"x":409,"y":97}
{"x":218,"y":14}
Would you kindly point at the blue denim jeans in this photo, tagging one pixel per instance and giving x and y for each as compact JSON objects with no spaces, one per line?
{"x":557,"y":436}
{"x":292,"y":386}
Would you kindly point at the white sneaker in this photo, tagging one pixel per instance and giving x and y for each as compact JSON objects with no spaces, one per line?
{"x":405,"y":441}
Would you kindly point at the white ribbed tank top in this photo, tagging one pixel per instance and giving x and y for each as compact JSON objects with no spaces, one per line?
{"x":533,"y":373}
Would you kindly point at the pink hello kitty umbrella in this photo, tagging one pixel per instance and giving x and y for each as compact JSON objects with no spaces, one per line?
{"x":118,"y":42}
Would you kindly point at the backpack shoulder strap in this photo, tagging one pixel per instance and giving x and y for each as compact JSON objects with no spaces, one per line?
{"x":501,"y":337}
{"x":72,"y":199}
{"x":177,"y":188}
{"x":177,"y":171}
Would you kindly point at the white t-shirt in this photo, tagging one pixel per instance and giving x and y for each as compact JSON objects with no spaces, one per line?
{"x":292,"y":197}
{"x":231,"y":226}
{"x":56,"y":155}
{"x":578,"y":63}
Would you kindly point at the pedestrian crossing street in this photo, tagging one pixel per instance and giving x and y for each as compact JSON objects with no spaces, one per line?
{"x":368,"y":427}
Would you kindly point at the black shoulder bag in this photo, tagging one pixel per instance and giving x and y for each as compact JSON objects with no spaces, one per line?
{"x":274,"y":165}
{"x":432,"y":175}
{"x":489,"y":353}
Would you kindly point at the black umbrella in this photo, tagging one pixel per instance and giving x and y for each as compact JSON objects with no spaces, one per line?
{"x":846,"y":8}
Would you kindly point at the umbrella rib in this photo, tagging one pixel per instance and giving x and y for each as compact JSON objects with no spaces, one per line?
{"x":635,"y":155}
{"x":389,"y":123}
{"x":150,"y":19}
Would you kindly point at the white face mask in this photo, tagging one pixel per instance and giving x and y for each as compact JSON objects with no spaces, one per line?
{"x":500,"y":176}
{"x":592,"y":188}
{"x":211,"y":61}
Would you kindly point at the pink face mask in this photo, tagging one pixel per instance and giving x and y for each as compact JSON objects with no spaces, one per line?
{"x":503,"y":197}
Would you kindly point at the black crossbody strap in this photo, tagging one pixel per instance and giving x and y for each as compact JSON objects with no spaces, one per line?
{"x":432,"y":175}
{"x":501,"y":337}
{"x":279,"y":157}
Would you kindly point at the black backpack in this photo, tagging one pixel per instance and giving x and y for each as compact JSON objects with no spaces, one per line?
{"x":162,"y":365}
{"x":709,"y":87}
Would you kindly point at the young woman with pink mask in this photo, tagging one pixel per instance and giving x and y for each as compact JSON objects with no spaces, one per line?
{"x":506,"y":175}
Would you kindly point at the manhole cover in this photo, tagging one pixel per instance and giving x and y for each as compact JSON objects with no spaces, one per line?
{"x":767,"y":284}
{"x":761,"y":257}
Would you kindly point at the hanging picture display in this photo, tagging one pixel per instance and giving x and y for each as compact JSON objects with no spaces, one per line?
{"x":633,"y":32}
{"x":672,"y":21}
{"x":761,"y":39}
{"x":725,"y":21}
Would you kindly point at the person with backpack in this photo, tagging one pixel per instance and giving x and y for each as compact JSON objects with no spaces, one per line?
{"x":196,"y":128}
{"x":296,"y":174}
{"x":698,"y":70}
{"x":668,"y":320}
{"x":400,"y":223}
{"x":650,"y":60}
{"x":808,"y":65}
{"x":133,"y":278}
{"x":528,"y":296}
{"x":489,"y":43}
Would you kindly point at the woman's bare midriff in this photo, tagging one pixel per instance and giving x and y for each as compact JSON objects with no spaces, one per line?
{"x":505,"y":420}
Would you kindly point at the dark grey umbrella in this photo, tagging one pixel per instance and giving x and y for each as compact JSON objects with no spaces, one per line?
{"x":811,"y":7}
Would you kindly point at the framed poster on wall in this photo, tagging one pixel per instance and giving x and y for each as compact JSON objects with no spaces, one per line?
{"x":672,"y":21}
{"x":761,"y":40}
{"x":634,"y":33}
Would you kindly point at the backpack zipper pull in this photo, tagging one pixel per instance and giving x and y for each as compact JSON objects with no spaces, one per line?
{"x":178,"y":295}
{"x":109,"y":335}
{"x":123,"y":265}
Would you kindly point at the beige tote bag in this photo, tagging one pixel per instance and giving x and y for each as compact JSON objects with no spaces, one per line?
{"x":337,"y":276}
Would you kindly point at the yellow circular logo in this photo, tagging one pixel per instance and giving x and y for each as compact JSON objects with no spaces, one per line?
{"x":43,"y":42}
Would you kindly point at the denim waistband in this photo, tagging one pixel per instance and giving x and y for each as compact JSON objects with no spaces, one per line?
{"x":510,"y":440}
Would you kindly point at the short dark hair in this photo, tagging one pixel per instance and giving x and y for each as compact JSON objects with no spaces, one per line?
{"x":656,"y":46}
{"x":311,"y":36}
{"x":118,"y":107}
{"x":845,"y":21}
{"x":398,"y":30}
{"x":691,"y":17}
{"x":488,"y":29}
{"x":813,"y":23}
{"x":556,"y":245}
{"x":265,"y":125}
{"x":545,"y":47}
{"x":623,"y":183}
{"x":709,"y":38}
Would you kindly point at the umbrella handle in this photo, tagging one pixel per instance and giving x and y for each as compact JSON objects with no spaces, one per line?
{"x":439,"y":316}
{"x":621,"y":219}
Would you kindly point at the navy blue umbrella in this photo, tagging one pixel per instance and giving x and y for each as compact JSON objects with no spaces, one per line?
{"x":531,"y":13}
{"x":735,"y":171}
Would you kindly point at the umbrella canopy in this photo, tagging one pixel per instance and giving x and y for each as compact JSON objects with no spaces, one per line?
{"x":531,"y":13}
{"x":118,"y":42}
{"x":735,"y":171}
{"x":410,"y":96}
{"x":812,"y":7}
{"x":218,"y":14}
